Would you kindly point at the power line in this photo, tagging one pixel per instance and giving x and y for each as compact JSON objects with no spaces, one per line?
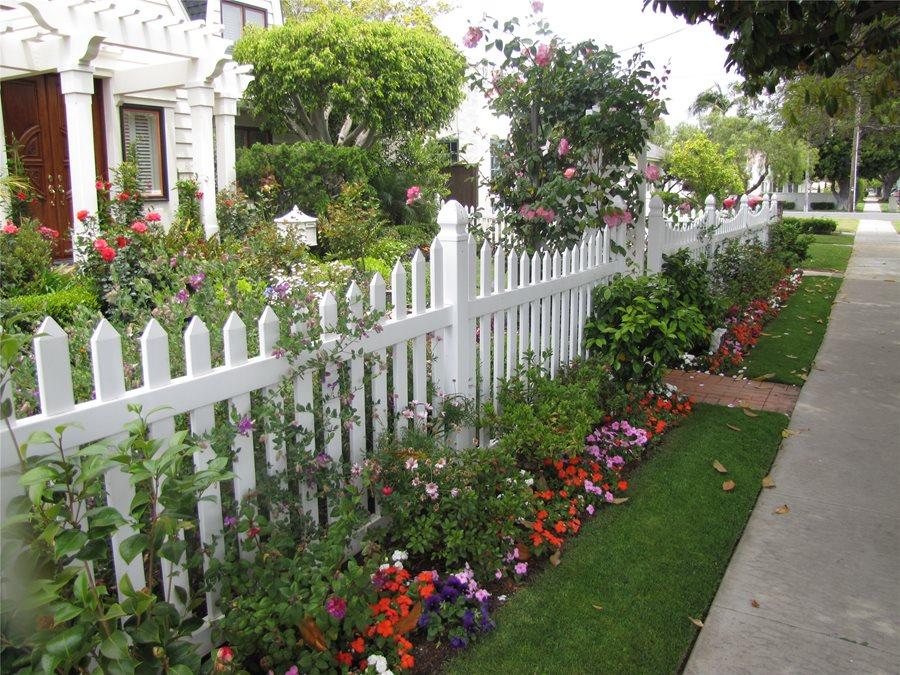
{"x":656,"y":39}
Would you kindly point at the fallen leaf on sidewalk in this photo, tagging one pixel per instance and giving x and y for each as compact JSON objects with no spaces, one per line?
{"x":890,"y":281}
{"x":767,"y":482}
{"x":781,"y":510}
{"x":750,"y":413}
{"x":696,"y":622}
{"x":728,"y":485}
{"x":754,"y":603}
{"x":732,"y":427}
{"x":803,"y":376}
{"x":717,"y":465}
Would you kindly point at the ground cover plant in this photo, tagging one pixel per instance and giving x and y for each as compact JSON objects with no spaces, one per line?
{"x":787,"y":349}
{"x":648,"y":566}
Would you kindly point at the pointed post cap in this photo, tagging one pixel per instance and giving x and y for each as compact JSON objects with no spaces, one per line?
{"x":656,"y":204}
{"x":453,"y":220}
{"x":295,"y":216}
{"x":710,"y":201}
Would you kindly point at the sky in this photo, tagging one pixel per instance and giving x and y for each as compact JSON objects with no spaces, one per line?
{"x":695,"y":53}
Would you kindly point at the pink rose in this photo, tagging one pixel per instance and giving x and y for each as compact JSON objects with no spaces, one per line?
{"x":473,"y":36}
{"x":413,"y":194}
{"x":612,"y":219}
{"x":543,"y":55}
{"x":152,"y":217}
{"x":100,"y":244}
{"x":139,"y":227}
{"x":730,"y":202}
{"x":9,"y":228}
{"x":564,"y":147}
{"x":754,"y":201}
{"x":569,"y":173}
{"x":651,"y":172}
{"x":537,"y":6}
{"x":685,"y":207}
{"x":627,"y":217}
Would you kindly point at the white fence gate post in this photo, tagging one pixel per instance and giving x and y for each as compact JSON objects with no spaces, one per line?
{"x":710,"y":223}
{"x":656,"y":228}
{"x":459,"y":338}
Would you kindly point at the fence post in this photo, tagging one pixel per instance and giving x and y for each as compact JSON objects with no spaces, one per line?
{"x":710,"y":223}
{"x":459,"y":338}
{"x":656,"y":232}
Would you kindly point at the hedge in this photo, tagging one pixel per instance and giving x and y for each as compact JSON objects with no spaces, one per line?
{"x":812,"y":225}
{"x":822,"y":206}
{"x":61,"y":305}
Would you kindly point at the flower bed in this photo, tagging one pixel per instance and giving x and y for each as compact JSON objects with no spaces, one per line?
{"x":744,"y":326}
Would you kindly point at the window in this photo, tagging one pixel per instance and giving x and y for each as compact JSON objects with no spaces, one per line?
{"x":236,"y":16}
{"x":142,"y":140}
{"x":452,"y":148}
{"x":245,"y":137}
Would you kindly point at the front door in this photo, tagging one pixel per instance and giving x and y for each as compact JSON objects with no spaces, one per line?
{"x":34,"y":120}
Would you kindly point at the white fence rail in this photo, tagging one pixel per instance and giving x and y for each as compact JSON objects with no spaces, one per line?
{"x":486,"y":310}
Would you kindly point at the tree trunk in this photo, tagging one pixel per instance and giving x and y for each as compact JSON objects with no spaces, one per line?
{"x":887,"y":182}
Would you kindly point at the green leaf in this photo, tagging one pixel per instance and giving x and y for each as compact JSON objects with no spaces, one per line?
{"x":68,"y":643}
{"x":105,"y":516}
{"x":40,"y":438}
{"x":115,"y":646}
{"x":133,"y":546}
{"x":66,"y":611}
{"x":37,"y":475}
{"x":82,"y":589}
{"x":69,"y":542}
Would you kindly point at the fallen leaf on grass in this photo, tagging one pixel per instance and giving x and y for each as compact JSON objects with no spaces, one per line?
{"x":597,"y":607}
{"x":696,"y":622}
{"x":803,"y":376}
{"x":717,"y":465}
{"x":790,"y":356}
{"x":555,"y":558}
{"x":620,"y":500}
{"x":820,"y":321}
{"x":767,"y":482}
{"x":781,"y":510}
{"x":750,"y":413}
{"x":732,"y":427}
{"x":764,"y":377}
{"x":754,"y":603}
{"x":728,"y":485}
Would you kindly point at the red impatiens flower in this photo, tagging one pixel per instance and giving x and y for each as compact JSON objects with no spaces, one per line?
{"x":121,"y":242}
{"x":252,"y":532}
{"x":123,"y":197}
{"x":225,"y":654}
{"x":623,"y":485}
{"x":108,"y":254}
{"x":21,"y":196}
{"x":387,"y":491}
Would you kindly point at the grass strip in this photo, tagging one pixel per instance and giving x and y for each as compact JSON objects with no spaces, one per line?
{"x":828,"y":256}
{"x":792,"y":339}
{"x":621,"y":599}
{"x":838,"y":238}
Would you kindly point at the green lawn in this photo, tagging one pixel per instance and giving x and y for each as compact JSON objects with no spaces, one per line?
{"x":837,"y":238}
{"x":827,"y":257}
{"x":620,"y":600}
{"x":847,"y":224}
{"x":897,"y":226}
{"x":792,"y":340}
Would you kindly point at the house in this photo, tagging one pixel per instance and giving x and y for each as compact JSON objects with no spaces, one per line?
{"x":81,"y":81}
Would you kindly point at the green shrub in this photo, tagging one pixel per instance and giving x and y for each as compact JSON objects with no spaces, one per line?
{"x":690,"y":279}
{"x":813,"y":225}
{"x":352,"y":223}
{"x":309,"y":174}
{"x":789,"y":206}
{"x":26,"y":254}
{"x":641,"y":325}
{"x":788,"y":243}
{"x":451,"y":507}
{"x":822,"y":206}
{"x":744,"y":271}
{"x":61,"y":305}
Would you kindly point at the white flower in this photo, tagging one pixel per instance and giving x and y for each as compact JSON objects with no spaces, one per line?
{"x":379,"y":663}
{"x":493,"y":442}
{"x":383,"y":566}
{"x":529,"y":482}
{"x":399,"y":556}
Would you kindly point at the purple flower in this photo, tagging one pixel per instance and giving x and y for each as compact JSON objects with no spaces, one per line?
{"x":230,"y":521}
{"x":537,"y":6}
{"x":482,"y":595}
{"x":473,"y":36}
{"x":458,"y":643}
{"x":431,"y":489}
{"x":245,"y":426}
{"x":336,"y":606}
{"x":182,"y":296}
{"x":468,"y":620}
{"x":522,"y":568}
{"x":590,"y":509}
{"x":322,"y":460}
{"x":195,"y":281}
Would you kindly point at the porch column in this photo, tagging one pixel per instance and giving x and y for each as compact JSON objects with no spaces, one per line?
{"x":78,"y":89}
{"x":225,"y":114}
{"x":200,"y":98}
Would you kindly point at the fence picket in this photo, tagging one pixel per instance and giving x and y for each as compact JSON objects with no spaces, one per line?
{"x":356,"y":395}
{"x":54,"y":371}
{"x":512,"y":281}
{"x":400,"y":356}
{"x":419,"y":364}
{"x":524,"y":323}
{"x":436,"y":278}
{"x":544,"y":358}
{"x":305,"y":422}
{"x":499,"y":320}
{"x":484,"y":335}
{"x":198,"y":361}
{"x":556,"y":314}
{"x":269,"y":328}
{"x":534,"y":330}
{"x":378,"y":303}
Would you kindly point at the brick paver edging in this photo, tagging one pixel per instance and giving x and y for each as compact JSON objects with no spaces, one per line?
{"x":725,"y":390}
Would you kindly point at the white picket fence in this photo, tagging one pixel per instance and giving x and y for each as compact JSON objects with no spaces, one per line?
{"x":487,"y":310}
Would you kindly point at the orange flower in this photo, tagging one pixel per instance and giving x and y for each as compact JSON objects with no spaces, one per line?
{"x":426,"y":590}
{"x":345,"y":658}
{"x":623,"y":485}
{"x":542,"y":514}
{"x":384,"y":628}
{"x":407,"y":661}
{"x":560,"y":527}
{"x":358,"y":645}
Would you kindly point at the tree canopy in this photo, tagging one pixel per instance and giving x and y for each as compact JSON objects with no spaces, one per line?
{"x":337,"y":78}
{"x":704,"y":168}
{"x":772,"y":41}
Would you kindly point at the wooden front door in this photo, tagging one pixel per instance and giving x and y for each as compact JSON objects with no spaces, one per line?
{"x":34,"y":119}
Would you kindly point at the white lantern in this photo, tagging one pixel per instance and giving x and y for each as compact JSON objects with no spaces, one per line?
{"x":297,"y":224}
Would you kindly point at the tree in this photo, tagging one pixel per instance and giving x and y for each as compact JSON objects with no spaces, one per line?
{"x":405,"y":12}
{"x":772,"y":41}
{"x":704,"y":168}
{"x":711,"y":100}
{"x":579,"y":118}
{"x":336,"y":78}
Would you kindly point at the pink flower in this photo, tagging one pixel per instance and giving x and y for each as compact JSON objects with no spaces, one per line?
{"x":651,"y":172}
{"x":569,"y":173}
{"x":590,"y":509}
{"x":152,"y":217}
{"x":543,"y":55}
{"x":564,"y":147}
{"x":685,"y":207}
{"x":336,"y":606}
{"x":730,"y":202}
{"x":473,"y":36}
{"x":612,"y":219}
{"x":225,"y":654}
{"x":754,"y":201}
{"x":139,"y":227}
{"x":537,"y":6}
{"x":48,"y":233}
{"x":522,"y":568}
{"x":100,"y":244}
{"x":199,"y":195}
{"x":627,"y":217}
{"x":413,"y":194}
{"x":431,"y":489}
{"x":82,"y":215}
{"x":9,"y":228}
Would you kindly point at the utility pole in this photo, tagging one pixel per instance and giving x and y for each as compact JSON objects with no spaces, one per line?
{"x":854,"y":161}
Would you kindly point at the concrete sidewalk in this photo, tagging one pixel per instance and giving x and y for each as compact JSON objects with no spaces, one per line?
{"x":826,"y":574}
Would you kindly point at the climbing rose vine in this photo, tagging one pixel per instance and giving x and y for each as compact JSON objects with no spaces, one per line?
{"x":579,"y":118}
